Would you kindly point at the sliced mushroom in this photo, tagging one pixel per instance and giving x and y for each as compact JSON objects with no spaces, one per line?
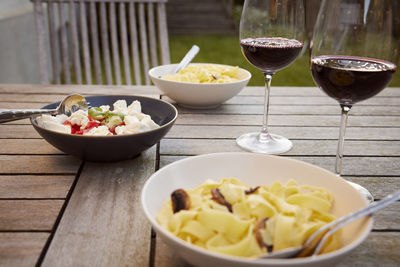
{"x":215,"y":77}
{"x":219,"y":198}
{"x":251,"y":190}
{"x":259,"y":226}
{"x":180,"y":200}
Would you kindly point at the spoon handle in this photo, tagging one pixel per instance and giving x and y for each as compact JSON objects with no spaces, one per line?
{"x":18,"y":114}
{"x":187,"y":58}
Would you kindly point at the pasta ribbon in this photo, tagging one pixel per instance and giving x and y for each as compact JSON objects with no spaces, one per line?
{"x":290,"y":213}
{"x":205,"y":73}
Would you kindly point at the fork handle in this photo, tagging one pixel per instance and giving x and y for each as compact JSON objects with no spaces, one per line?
{"x":18,"y":114}
{"x":356,"y":215}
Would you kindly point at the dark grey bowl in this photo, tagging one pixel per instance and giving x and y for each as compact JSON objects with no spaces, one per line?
{"x":113,"y":148}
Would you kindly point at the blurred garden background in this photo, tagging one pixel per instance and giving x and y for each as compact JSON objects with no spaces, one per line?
{"x":210,"y":24}
{"x":223,"y":47}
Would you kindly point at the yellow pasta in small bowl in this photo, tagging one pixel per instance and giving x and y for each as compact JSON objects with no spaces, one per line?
{"x":200,"y":85}
{"x":205,"y":73}
{"x":228,"y":209}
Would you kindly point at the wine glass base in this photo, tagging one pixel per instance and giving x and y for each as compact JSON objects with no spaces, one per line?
{"x":363,"y":191}
{"x":275,"y":144}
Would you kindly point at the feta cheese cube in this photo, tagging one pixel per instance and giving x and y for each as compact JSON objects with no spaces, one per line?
{"x":79,"y":118}
{"x":134,"y":108}
{"x":100,"y":130}
{"x":132,"y":123}
{"x":120,"y":106}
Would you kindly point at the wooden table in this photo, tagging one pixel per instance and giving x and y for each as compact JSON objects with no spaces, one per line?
{"x":56,"y":210}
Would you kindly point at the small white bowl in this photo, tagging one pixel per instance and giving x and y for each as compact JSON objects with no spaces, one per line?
{"x":197,"y":95}
{"x":253,"y":169}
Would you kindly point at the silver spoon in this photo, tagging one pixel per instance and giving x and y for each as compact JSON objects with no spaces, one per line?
{"x":69,"y":104}
{"x":314,"y":243}
{"x":187,"y":58}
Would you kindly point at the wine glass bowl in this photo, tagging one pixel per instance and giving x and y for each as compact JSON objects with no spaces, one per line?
{"x":271,"y":38}
{"x":352,"y":50}
{"x":270,"y":54}
{"x":350,"y":79}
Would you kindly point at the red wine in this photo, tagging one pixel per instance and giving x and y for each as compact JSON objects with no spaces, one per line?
{"x":270,"y":54}
{"x":351,"y":79}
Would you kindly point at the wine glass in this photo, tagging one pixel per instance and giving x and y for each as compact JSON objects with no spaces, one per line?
{"x":352,"y":49}
{"x":271,"y":38}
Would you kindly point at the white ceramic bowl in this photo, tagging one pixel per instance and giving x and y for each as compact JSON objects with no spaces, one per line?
{"x":253,"y":169}
{"x":196,"y":95}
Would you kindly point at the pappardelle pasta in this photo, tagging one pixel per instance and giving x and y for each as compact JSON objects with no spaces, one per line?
{"x":205,"y":73}
{"x":232,"y":218}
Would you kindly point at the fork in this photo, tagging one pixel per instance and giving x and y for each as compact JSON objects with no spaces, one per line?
{"x":315,"y":242}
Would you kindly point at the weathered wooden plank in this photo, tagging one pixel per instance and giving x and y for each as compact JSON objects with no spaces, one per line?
{"x":64,"y":44}
{"x":75,"y":43}
{"x":152,"y":35}
{"x":35,"y":186}
{"x":295,"y":110}
{"x":163,"y":33}
{"x":114,"y":43}
{"x":17,"y":131}
{"x":304,"y":91}
{"x":19,"y":122}
{"x":7,"y":100}
{"x":28,"y":215}
{"x":352,"y":148}
{"x":388,"y":218}
{"x":66,"y":89}
{"x":22,"y":164}
{"x":378,"y":249}
{"x":378,"y":186}
{"x":165,"y":256}
{"x":105,"y":43}
{"x":352,"y":166}
{"x":143,"y":41}
{"x":85,"y":42}
{"x":54,"y":43}
{"x":104,"y":224}
{"x":301,"y":100}
{"x":27,"y":146}
{"x":70,"y":89}
{"x":95,"y":42}
{"x":43,"y":61}
{"x":300,"y":147}
{"x":218,"y":132}
{"x":362,"y":167}
{"x":124,"y":43}
{"x":308,"y":100}
{"x":134,"y":43}
{"x":21,"y":249}
{"x":287,"y":120}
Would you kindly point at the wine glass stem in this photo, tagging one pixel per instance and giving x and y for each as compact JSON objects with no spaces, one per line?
{"x":264,"y":135}
{"x":340,"y":148}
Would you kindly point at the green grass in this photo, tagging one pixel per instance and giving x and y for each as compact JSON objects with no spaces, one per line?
{"x":225,"y":49}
